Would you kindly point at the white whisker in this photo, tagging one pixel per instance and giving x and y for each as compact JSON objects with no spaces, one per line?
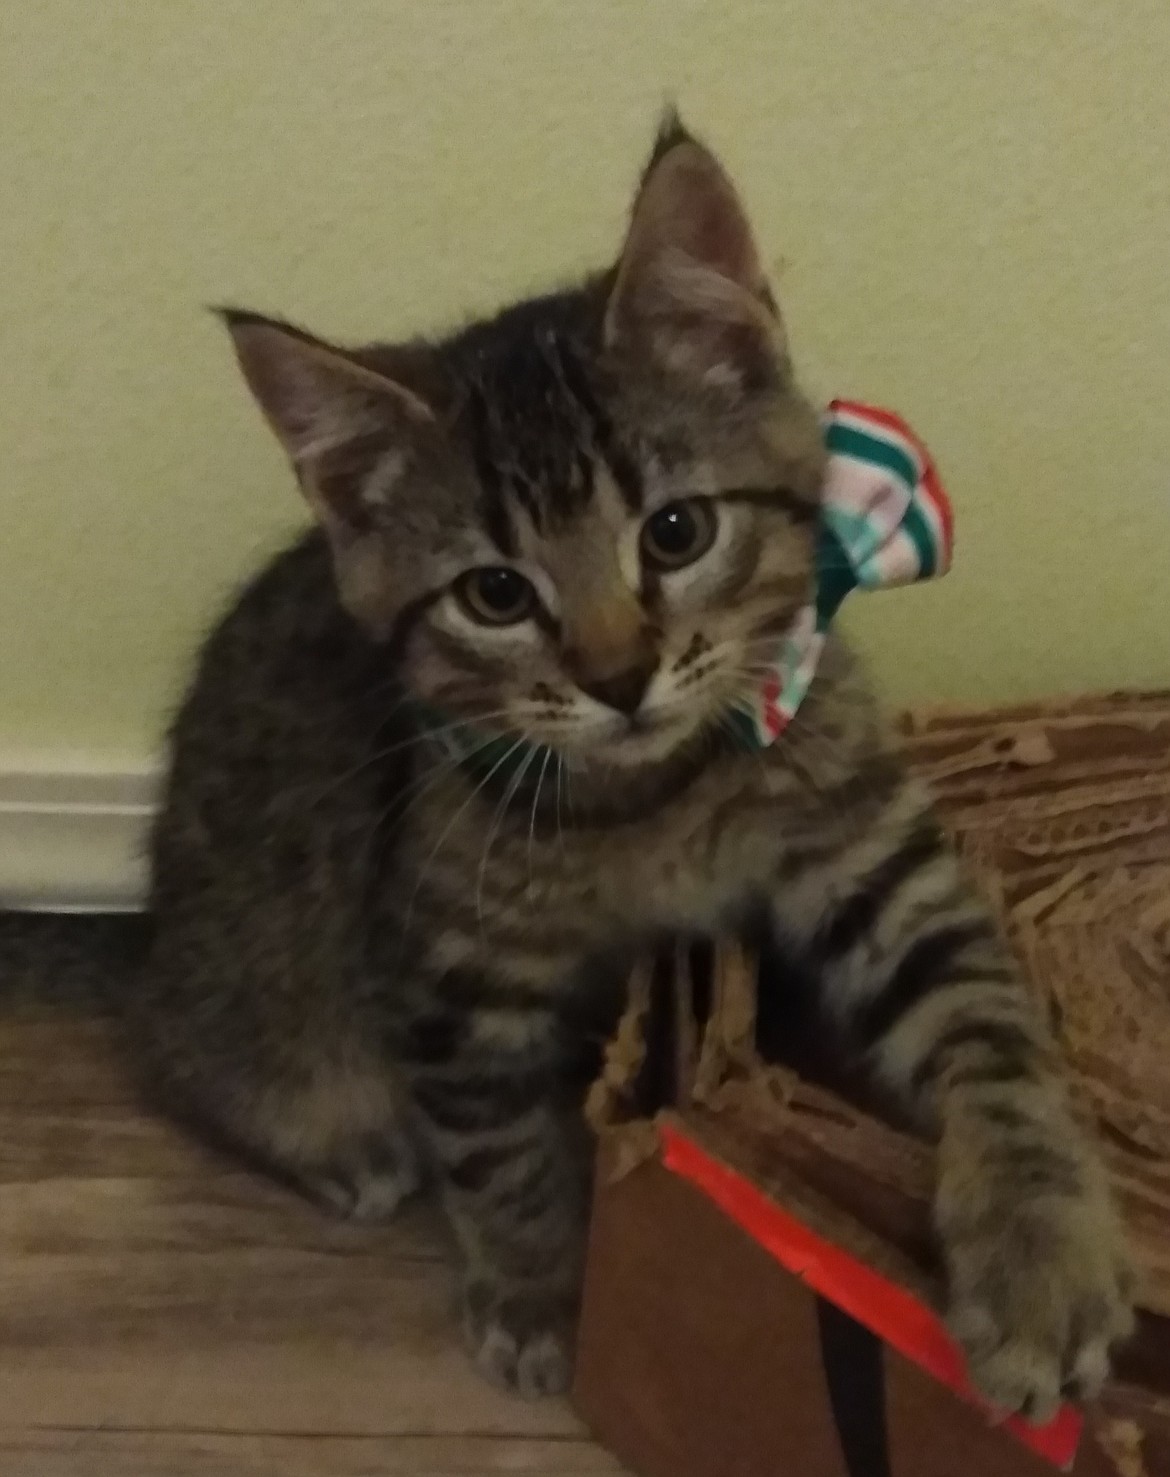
{"x":497,"y":820}
{"x":450,"y":826}
{"x":532,"y":812}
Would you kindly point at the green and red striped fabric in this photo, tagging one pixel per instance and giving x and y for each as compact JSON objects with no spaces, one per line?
{"x":885,"y":521}
{"x":883,"y":498}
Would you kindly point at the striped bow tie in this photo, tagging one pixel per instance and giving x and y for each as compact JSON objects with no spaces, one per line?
{"x":885,"y":520}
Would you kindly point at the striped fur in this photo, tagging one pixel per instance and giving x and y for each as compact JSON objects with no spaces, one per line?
{"x":374,"y":961}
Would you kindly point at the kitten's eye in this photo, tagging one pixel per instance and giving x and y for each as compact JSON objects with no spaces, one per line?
{"x":678,"y":534}
{"x":496,"y":595}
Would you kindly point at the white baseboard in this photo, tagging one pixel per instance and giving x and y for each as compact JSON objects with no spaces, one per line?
{"x":73,"y":838}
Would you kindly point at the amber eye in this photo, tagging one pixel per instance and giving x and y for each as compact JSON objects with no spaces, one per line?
{"x":496,"y":595}
{"x":678,"y":534}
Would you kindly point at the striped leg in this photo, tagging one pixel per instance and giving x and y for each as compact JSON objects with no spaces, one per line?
{"x":511,"y":1160}
{"x":924,"y":991}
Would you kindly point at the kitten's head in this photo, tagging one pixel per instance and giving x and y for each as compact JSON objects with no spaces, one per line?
{"x":587,"y":520}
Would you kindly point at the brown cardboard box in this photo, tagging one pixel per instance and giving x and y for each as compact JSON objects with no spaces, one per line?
{"x":715,"y":1342}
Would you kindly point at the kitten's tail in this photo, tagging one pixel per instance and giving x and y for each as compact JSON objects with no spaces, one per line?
{"x":76,"y":961}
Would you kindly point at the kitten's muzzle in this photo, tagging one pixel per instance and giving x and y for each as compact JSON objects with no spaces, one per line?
{"x":623,"y":691}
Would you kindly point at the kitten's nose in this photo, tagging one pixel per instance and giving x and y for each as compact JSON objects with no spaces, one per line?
{"x":623,"y":690}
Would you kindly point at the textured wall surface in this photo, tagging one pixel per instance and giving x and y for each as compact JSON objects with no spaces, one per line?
{"x":968,"y":209}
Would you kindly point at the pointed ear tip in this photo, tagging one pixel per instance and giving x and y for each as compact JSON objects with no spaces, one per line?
{"x":672,"y":134}
{"x":237,"y":320}
{"x":671,"y":127}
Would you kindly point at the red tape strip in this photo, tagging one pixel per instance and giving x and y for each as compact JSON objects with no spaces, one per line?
{"x":887,"y":1310}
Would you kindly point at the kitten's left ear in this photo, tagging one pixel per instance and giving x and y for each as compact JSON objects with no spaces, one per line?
{"x":690,"y":289}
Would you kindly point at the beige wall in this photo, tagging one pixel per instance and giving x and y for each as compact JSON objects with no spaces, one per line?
{"x":967,"y":203}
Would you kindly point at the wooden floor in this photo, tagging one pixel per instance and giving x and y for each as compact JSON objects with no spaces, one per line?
{"x":165,"y":1314}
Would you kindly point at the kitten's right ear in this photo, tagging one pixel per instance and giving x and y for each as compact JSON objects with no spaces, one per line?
{"x":348,"y":431}
{"x":319,"y":400}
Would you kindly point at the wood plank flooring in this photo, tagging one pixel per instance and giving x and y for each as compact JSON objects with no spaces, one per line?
{"x":164,"y":1313}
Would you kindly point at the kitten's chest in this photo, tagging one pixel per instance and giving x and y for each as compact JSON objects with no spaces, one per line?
{"x":691,"y":869}
{"x":691,"y":864}
{"x":688,"y":866}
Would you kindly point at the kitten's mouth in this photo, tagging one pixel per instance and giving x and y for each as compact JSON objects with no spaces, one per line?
{"x":639,"y":723}
{"x":645,"y":737}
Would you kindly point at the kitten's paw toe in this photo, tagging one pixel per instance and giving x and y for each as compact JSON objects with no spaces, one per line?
{"x":373,"y":1183}
{"x":520,"y":1341}
{"x":532,"y":1365}
{"x":1040,"y":1297}
{"x":1013,"y":1375}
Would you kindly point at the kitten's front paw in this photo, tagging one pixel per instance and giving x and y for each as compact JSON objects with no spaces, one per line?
{"x":520,"y":1339}
{"x":1040,"y":1292}
{"x":372,"y":1180}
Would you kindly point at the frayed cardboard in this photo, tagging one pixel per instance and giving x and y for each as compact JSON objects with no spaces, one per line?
{"x":728,"y":1042}
{"x":1122,"y":1442}
{"x":609,"y":1099}
{"x":630,"y":1145}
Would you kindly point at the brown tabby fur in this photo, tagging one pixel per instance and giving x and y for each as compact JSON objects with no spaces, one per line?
{"x":376,"y":956}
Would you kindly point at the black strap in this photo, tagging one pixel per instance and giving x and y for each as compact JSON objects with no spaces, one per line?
{"x":854,"y":1364}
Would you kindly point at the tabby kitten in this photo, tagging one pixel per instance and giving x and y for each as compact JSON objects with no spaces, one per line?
{"x":457,"y":757}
